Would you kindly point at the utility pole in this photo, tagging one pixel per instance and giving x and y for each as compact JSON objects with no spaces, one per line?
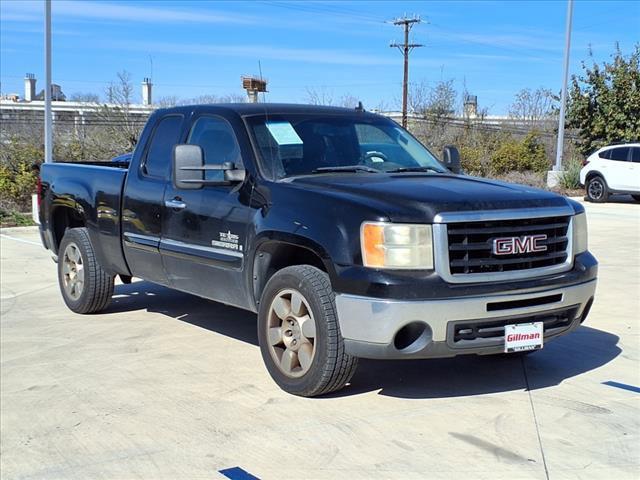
{"x":405,"y":48}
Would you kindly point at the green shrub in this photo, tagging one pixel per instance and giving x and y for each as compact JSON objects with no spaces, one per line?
{"x":17,"y":177}
{"x":531,"y":179}
{"x":570,"y":177}
{"x":71,"y":151}
{"x":534,"y":154}
{"x":471,"y":159}
{"x":16,"y":186}
{"x":528,"y":155}
{"x":507,"y":157}
{"x":14,"y":219}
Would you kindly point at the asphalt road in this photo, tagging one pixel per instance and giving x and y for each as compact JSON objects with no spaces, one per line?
{"x":165,"y":385}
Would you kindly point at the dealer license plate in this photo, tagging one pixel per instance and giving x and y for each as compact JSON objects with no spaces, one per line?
{"x":523,"y":337}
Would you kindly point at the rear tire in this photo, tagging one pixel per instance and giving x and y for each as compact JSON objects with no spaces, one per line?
{"x":299,"y":333}
{"x":85,"y":286}
{"x":597,"y":190}
{"x":636,"y":198}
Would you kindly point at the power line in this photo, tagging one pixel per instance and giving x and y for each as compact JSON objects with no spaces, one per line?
{"x":325,"y":10}
{"x":405,"y":48}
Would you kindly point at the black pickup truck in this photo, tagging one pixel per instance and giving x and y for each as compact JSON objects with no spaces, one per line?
{"x":337,"y":227}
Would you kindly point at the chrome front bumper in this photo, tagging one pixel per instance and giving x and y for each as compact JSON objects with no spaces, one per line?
{"x":380,"y":328}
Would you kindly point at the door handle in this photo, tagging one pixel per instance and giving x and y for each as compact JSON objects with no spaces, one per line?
{"x":175,"y":203}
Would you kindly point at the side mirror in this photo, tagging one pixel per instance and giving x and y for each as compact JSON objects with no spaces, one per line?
{"x":451,"y":159}
{"x":188,"y":163}
{"x":189,"y":168}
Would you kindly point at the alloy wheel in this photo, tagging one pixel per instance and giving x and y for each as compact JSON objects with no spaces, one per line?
{"x":596,"y":189}
{"x":73,"y":271}
{"x":291,"y":333}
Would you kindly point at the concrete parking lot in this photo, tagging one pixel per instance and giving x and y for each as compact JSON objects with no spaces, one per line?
{"x":165,"y":385}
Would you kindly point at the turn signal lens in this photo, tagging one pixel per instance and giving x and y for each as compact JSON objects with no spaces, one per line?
{"x":396,"y":246}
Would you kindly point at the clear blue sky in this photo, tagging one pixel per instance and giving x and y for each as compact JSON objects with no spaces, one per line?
{"x":200,"y":47}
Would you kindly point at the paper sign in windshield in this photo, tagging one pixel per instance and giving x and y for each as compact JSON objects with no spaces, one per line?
{"x":283,"y":133}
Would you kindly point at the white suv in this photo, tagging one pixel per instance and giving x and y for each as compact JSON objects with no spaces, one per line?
{"x":612,"y":169}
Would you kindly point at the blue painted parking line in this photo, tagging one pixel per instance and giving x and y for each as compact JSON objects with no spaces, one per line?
{"x":237,"y":473}
{"x":624,"y":386}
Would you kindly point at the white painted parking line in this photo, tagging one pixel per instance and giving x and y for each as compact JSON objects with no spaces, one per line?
{"x":20,"y":240}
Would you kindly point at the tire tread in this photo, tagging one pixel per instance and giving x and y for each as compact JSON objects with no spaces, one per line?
{"x":98,"y":285}
{"x":339,"y":367}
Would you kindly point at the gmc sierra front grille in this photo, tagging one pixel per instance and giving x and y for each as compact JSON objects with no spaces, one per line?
{"x":470,"y":244}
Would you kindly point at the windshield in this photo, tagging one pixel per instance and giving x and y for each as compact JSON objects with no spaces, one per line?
{"x":291,"y":145}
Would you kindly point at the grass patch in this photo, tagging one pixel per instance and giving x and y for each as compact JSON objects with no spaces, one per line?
{"x":15,"y":219}
{"x":570,"y":177}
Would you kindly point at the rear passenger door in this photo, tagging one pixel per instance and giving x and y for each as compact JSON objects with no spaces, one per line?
{"x":618,"y":168}
{"x":143,"y":199}
{"x":204,"y":230}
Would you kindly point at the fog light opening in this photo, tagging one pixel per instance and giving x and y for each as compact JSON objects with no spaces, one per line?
{"x":412,"y":336}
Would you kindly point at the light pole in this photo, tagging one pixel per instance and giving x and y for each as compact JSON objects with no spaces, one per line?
{"x":48,"y":134}
{"x":552,"y":179}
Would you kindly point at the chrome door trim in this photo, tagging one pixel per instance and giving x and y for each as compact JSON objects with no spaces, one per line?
{"x":165,"y":242}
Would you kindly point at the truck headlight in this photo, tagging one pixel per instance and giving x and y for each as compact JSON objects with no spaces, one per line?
{"x":396,"y":245}
{"x":579,"y":233}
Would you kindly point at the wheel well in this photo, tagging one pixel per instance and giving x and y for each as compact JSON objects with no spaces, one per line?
{"x":63,"y":219}
{"x":275,"y":256}
{"x":590,"y":175}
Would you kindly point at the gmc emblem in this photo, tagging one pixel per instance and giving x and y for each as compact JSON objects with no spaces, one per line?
{"x":515,"y":245}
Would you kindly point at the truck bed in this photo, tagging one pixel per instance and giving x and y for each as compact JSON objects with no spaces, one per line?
{"x":85,"y":190}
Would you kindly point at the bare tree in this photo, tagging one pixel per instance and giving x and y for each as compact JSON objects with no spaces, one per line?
{"x":120,"y":91}
{"x":208,"y":98}
{"x":324,"y":96}
{"x":348,"y":100}
{"x":418,"y":97}
{"x":436,"y":104}
{"x":533,"y":107}
{"x":85,"y":97}
{"x":381,"y":106}
{"x":231,"y":98}
{"x":121,"y":127}
{"x":442,"y":99}
{"x":167,"y":101}
{"x":320,"y":96}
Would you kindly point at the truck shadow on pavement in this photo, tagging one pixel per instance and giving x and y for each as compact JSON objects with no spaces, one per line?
{"x":569,"y":356}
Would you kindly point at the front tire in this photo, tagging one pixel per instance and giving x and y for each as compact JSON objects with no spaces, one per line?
{"x":636,"y":198}
{"x":85,"y":286}
{"x":299,"y":333}
{"x":597,"y":190}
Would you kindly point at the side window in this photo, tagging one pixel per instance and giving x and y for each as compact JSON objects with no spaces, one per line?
{"x":606,"y":154}
{"x":218,"y":143}
{"x":635,"y":154}
{"x":620,"y":154}
{"x":165,"y":136}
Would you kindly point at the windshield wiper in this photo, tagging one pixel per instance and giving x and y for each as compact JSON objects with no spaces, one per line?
{"x":347,"y":168}
{"x":415,"y":169}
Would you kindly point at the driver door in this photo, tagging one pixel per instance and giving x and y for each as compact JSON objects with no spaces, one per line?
{"x":204,"y":231}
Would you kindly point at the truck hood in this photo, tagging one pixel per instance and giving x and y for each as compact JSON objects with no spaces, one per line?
{"x":419,"y":197}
